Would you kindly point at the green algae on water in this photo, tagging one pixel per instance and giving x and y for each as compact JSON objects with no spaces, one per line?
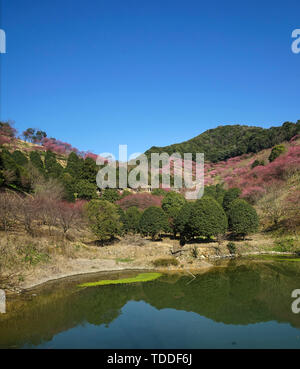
{"x":143,"y":277}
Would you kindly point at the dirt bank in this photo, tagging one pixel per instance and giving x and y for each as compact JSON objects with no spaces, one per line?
{"x":134,"y":253}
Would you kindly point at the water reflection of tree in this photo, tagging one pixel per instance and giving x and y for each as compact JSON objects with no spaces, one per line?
{"x":241,"y":293}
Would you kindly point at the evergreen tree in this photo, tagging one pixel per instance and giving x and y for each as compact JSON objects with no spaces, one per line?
{"x":74,"y":165}
{"x":181,"y":222}
{"x":85,"y":190}
{"x":207,"y":218}
{"x":171,"y":204}
{"x":89,"y":170}
{"x":132,"y":220}
{"x":243,"y":218}
{"x":153,"y":221}
{"x":36,"y":161}
{"x":110,"y":194}
{"x":230,"y":196}
{"x":104,"y":219}
{"x":19,"y":158}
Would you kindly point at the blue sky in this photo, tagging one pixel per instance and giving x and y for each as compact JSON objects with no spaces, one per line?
{"x":100,"y":73}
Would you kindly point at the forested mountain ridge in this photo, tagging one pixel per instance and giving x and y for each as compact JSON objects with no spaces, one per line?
{"x":228,"y":141}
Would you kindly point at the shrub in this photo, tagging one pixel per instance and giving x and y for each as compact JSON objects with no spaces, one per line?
{"x":285,"y":245}
{"x":231,"y":247}
{"x":153,"y":221}
{"x":110,"y":194}
{"x":243,"y":218}
{"x":256,"y":163}
{"x":207,"y":218}
{"x":276,"y":151}
{"x":164,"y":262}
{"x":195,"y":252}
{"x":159,"y":192}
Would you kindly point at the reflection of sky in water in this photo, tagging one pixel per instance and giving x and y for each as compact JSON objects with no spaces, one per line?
{"x":246,"y":305}
{"x":142,"y":326}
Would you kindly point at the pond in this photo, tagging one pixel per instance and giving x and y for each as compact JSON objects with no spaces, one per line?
{"x":238,"y":304}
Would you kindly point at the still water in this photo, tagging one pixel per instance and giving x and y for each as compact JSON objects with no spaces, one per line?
{"x":237,"y":304}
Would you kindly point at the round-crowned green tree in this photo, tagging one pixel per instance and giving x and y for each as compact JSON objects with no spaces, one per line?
{"x":243,"y":218}
{"x":171,"y":204}
{"x":86,"y":190}
{"x":132,"y":219}
{"x":181,"y":222}
{"x":207,"y":218}
{"x":230,"y":196}
{"x":153,"y":221}
{"x":103,"y":218}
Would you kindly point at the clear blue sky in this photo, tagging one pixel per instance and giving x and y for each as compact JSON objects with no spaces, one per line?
{"x":98,"y":73}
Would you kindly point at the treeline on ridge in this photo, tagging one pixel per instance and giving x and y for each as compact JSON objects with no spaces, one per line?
{"x":228,"y":141}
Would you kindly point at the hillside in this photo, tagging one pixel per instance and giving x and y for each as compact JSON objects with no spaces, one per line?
{"x":228,"y":141}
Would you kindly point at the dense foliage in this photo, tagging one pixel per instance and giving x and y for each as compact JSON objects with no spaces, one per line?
{"x":131,"y":220}
{"x":243,"y":218}
{"x":230,"y":195}
{"x":171,"y":204}
{"x":153,"y":222}
{"x":228,"y":141}
{"x":104,"y":219}
{"x":276,"y":151}
{"x":207,"y":218}
{"x":141,"y":200}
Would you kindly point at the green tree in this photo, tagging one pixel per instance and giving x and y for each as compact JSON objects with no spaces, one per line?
{"x":89,"y":170}
{"x":171,"y":204}
{"x":159,"y":192}
{"x":276,"y":151}
{"x":86,"y":190}
{"x":207,"y":218}
{"x":69,"y":186}
{"x":110,"y":194}
{"x":103,"y":218}
{"x":242,"y":218}
{"x":11,"y":171}
{"x":215,"y":191}
{"x":74,"y":165}
{"x":36,"y":161}
{"x":153,"y":221}
{"x":29,"y":134}
{"x":52,"y":167}
{"x":230,"y":195}
{"x":181,"y":222}
{"x":132,"y":219}
{"x":39,"y":136}
{"x":19,"y":158}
